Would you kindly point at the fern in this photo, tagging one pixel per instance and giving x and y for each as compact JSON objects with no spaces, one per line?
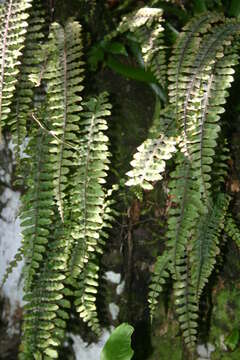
{"x":37,"y":208}
{"x":31,"y":60}
{"x":66,"y":208}
{"x":200,"y":72}
{"x":159,"y":277}
{"x":149,"y":161}
{"x":87,"y":195}
{"x":232,"y":230}
{"x":64,"y":77}
{"x":146,"y":25}
{"x":13,"y":27}
{"x":87,"y":286}
{"x":207,"y":246}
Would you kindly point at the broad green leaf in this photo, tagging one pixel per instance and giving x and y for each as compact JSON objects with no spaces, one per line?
{"x":118,"y":346}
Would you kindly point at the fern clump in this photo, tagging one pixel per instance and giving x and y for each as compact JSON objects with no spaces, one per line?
{"x":200,"y":72}
{"x":66,"y":206}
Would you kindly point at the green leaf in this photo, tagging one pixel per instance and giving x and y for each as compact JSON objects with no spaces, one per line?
{"x":116,"y":48}
{"x":232,"y":340}
{"x":95,"y":56}
{"x":118,"y":346}
{"x":235,"y":8}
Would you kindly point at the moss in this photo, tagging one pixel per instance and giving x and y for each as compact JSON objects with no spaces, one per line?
{"x":225,"y":320}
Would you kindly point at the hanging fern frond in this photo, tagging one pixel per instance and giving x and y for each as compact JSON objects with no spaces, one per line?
{"x":13,"y":27}
{"x":30,"y":63}
{"x":87,"y":283}
{"x":37,"y":205}
{"x":160,"y":274}
{"x":186,"y":306}
{"x":206,"y":247}
{"x":64,"y":77}
{"x":87,"y":292}
{"x":46,"y":311}
{"x":183,"y":55}
{"x":87,"y":195}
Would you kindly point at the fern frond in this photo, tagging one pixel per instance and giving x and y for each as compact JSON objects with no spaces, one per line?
{"x":186,"y":306}
{"x":64,"y":77}
{"x":183,"y":55}
{"x":12,"y":265}
{"x":185,"y":210}
{"x":87,"y":195}
{"x":45,"y":315}
{"x":159,"y":277}
{"x":13,"y":27}
{"x":87,"y":292}
{"x":232,"y":229}
{"x":150,"y":161}
{"x":30,"y":63}
{"x":47,"y":308}
{"x":206,"y":246}
{"x":37,"y":205}
{"x":150,"y":38}
{"x":87,"y":283}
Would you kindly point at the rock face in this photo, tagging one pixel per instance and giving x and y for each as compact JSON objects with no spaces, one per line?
{"x":10,"y":239}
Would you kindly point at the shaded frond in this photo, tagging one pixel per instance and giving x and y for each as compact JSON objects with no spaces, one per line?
{"x":37,"y":205}
{"x":159,"y":277}
{"x":206,"y":246}
{"x":186,"y":306}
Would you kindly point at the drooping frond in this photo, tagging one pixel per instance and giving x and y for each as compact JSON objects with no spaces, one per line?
{"x":87,"y":195}
{"x":160,"y":274}
{"x":64,"y":77}
{"x":45,"y":313}
{"x":13,"y":27}
{"x":185,"y":302}
{"x":183,"y":55}
{"x":206,"y":246}
{"x":37,"y":205}
{"x":87,"y":283}
{"x":30,"y":62}
{"x":87,"y":292}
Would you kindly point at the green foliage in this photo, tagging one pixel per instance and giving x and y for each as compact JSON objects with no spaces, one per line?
{"x":66,"y":206}
{"x":118,"y":346}
{"x":199,"y":73}
{"x":13,"y":27}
